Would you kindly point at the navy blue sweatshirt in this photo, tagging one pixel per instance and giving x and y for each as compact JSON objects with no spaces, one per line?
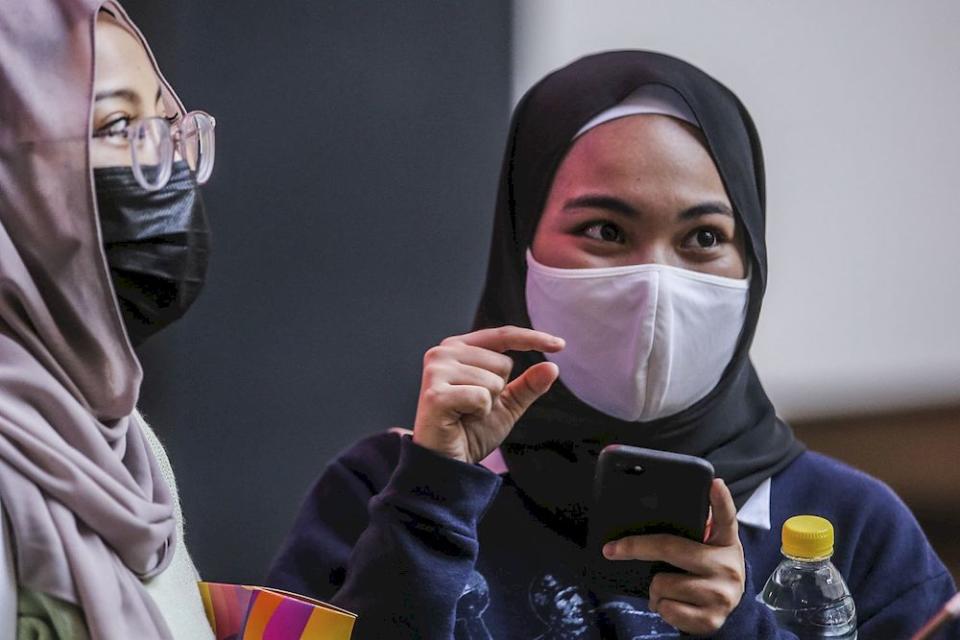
{"x":422,"y":546}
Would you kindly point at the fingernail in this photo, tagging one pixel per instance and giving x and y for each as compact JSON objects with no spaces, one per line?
{"x":610,"y":549}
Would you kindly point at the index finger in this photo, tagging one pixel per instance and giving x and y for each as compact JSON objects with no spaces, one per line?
{"x":681,"y":552}
{"x":510,"y":338}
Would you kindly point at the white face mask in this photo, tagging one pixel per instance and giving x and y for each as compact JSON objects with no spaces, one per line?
{"x":643,"y":341}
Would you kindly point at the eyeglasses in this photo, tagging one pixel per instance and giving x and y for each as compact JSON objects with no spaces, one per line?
{"x":154,"y":143}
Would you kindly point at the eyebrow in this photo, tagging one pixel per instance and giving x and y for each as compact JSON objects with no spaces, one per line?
{"x":126,"y":94}
{"x":597,"y":201}
{"x":616,"y":205}
{"x":705,"y":209}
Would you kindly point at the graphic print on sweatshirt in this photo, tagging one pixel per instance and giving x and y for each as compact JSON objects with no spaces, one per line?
{"x":566,"y":612}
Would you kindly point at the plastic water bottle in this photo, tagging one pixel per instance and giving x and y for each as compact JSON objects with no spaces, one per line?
{"x":806,"y":593}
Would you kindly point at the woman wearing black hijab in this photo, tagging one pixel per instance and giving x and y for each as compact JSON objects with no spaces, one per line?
{"x":628,"y":260}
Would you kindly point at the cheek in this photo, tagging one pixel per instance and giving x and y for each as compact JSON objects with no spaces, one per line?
{"x":554,"y":246}
{"x":740,"y":270}
{"x":733,"y":268}
{"x":728,"y":265}
{"x":731,"y":265}
{"x":105,"y":154}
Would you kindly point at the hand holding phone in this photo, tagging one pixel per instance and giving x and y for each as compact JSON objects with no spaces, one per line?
{"x":646,"y":537}
{"x":639,"y":492}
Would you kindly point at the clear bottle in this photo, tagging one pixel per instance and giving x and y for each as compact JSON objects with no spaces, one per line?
{"x":806,"y":592}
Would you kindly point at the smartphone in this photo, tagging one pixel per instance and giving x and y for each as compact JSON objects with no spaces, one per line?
{"x":640,"y":491}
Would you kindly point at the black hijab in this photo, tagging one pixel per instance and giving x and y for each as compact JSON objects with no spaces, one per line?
{"x":552,"y":450}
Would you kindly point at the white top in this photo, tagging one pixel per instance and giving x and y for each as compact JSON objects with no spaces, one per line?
{"x":174,"y":591}
{"x":755,"y":512}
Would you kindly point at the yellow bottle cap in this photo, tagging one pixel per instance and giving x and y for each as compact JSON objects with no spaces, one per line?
{"x":807,"y":538}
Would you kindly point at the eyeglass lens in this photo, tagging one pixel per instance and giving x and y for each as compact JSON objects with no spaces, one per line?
{"x":152,"y":152}
{"x":196,"y":137}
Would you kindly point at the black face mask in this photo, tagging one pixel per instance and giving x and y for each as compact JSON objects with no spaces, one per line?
{"x":157,"y":245}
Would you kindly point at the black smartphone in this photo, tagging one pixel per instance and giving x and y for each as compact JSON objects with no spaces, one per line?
{"x":640,"y":491}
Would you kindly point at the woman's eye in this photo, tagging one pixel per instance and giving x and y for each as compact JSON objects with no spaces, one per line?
{"x":604,"y":231}
{"x":705,"y":239}
{"x":115,"y":127}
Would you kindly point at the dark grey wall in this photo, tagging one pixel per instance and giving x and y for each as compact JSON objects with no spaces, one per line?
{"x":358,"y":146}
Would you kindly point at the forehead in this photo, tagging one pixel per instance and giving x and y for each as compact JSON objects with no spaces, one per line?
{"x":636,"y":150}
{"x":119,"y":54}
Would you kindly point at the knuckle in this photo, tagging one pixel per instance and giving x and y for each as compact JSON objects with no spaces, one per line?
{"x":431,"y":395}
{"x":504,"y":365}
{"x":726,"y":600}
{"x":670,"y":545}
{"x":451,"y":340}
{"x":433,"y":354}
{"x":656,"y":583}
{"x":657,"y":586}
{"x":668,"y":611}
{"x":430,"y":374}
{"x":435,"y":374}
{"x":733,"y":573}
{"x":633,"y":546}
{"x":479,"y":398}
{"x":627,"y":546}
{"x":715,"y":595}
{"x":713,"y":622}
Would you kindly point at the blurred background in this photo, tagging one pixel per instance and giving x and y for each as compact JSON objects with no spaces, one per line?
{"x":358,"y":151}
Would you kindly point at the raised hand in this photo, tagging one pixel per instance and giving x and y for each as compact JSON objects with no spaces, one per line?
{"x":467,"y":405}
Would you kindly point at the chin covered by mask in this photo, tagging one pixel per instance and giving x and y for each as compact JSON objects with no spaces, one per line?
{"x":643,"y":341}
{"x":157,"y":245}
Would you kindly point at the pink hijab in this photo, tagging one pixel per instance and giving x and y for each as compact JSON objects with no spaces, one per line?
{"x":90,"y":513}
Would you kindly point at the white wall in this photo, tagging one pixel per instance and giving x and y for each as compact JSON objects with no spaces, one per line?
{"x":858,"y":107}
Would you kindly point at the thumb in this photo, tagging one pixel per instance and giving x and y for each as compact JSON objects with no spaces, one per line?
{"x":530,"y":385}
{"x":723,"y":531}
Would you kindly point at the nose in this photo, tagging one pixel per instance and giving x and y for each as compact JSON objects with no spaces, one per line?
{"x":651,"y":252}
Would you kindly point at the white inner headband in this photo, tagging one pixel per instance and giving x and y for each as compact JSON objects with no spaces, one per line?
{"x":656,"y":99}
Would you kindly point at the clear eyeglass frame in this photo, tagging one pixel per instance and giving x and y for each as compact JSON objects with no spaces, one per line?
{"x":154,"y":143}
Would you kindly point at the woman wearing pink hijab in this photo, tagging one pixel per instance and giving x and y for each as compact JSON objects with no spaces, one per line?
{"x":103,"y":241}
